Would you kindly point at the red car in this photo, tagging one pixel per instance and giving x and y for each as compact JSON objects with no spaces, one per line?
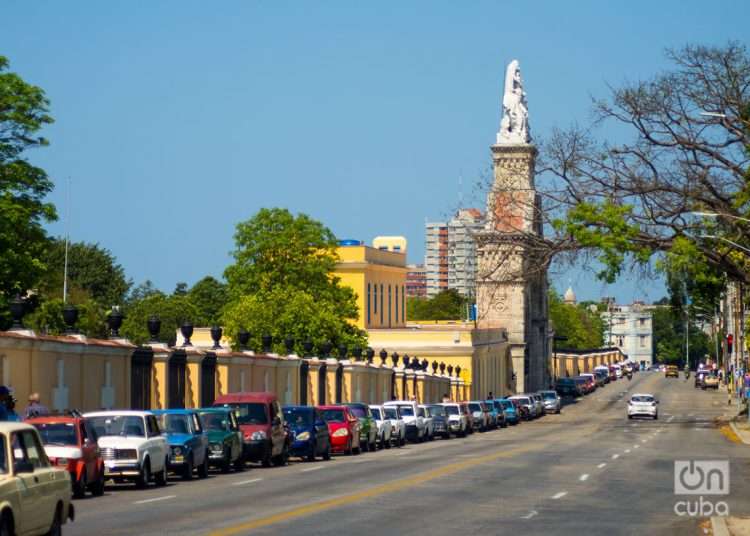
{"x":70,"y":443}
{"x":343,"y":427}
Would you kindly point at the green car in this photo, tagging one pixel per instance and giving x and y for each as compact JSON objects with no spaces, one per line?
{"x":368,"y":431}
{"x":224,"y":438}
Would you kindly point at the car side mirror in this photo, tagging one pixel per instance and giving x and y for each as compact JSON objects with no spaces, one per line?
{"x":23,"y":467}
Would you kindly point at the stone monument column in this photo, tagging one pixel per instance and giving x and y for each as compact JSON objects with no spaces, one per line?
{"x":511,"y":279}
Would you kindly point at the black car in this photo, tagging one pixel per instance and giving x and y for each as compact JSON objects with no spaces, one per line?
{"x":440,"y":420}
{"x":567,"y":387}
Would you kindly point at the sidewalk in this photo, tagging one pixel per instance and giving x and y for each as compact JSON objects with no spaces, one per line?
{"x":730,"y":526}
{"x":742,"y":429}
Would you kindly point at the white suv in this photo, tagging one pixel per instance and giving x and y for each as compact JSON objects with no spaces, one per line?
{"x":415,"y":425}
{"x":457,"y":421}
{"x":132,"y":446}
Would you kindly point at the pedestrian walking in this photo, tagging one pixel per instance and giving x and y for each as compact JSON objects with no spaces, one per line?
{"x":35,"y":407}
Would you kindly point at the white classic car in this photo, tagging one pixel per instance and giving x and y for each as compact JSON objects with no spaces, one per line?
{"x":398,"y":426}
{"x":132,"y":446}
{"x":34,"y":495}
{"x":384,"y":426}
{"x":414,"y":419}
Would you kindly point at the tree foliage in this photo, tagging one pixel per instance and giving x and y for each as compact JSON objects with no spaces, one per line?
{"x":172,"y":310}
{"x":446,"y":305}
{"x":669,"y":337}
{"x":581,"y":324}
{"x":23,"y":187}
{"x":209,"y":296}
{"x":47,"y":318}
{"x":284,"y":264}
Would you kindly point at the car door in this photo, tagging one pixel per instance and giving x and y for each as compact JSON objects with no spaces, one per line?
{"x":236,"y":436}
{"x":321,"y":432}
{"x":278,"y":433}
{"x":34,"y":512}
{"x":89,"y":452}
{"x":201,"y":440}
{"x":155,"y":444}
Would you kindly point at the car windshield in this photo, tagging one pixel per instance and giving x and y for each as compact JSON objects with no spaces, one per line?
{"x":642,"y":399}
{"x":333,"y":415}
{"x":390,"y":413}
{"x":174,"y":423}
{"x":298,"y":417}
{"x":452,"y":410}
{"x":216,"y":421}
{"x":506,"y":404}
{"x":437,"y":411}
{"x":475,"y":407}
{"x":118,"y":425}
{"x":58,"y":433}
{"x":524,"y":400}
{"x":358,"y":411}
{"x":376,"y":413}
{"x":406,"y":411}
{"x":549,"y":395}
{"x":249,"y":412}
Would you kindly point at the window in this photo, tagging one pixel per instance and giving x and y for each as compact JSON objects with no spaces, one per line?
{"x":376,"y":297}
{"x":643,"y":341}
{"x":153,"y":426}
{"x":369,"y":290}
{"x":396,"y":304}
{"x":26,"y":448}
{"x":197,"y":424}
{"x":389,"y":306}
{"x":403,"y":304}
{"x":381,"y":303}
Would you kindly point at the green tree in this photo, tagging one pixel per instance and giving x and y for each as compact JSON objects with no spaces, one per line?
{"x":445,"y":305}
{"x":173,"y":311}
{"x":23,"y":187}
{"x":47,"y":318}
{"x":92,"y":271}
{"x":284,"y":263}
{"x":669,"y":336}
{"x":581,"y":324}
{"x":209,"y":296}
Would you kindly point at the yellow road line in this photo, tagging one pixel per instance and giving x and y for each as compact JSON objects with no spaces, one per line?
{"x":396,"y":485}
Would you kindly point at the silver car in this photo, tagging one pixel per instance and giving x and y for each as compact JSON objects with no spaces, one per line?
{"x":398,"y":426}
{"x":551,"y":401}
{"x":527,"y":402}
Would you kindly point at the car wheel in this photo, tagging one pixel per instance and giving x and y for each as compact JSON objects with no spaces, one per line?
{"x":79,"y":488}
{"x":187,"y":471}
{"x":311,"y":455}
{"x":374,"y":445}
{"x":239,"y":464}
{"x":6,"y":525}
{"x":56,"y":528}
{"x":387,"y":444}
{"x":97,"y":488}
{"x":226,"y":462}
{"x":327,"y":453}
{"x":203,"y":469}
{"x":144,"y":477}
{"x":402,"y":441}
{"x":266,"y":462}
{"x":365,"y":447}
{"x":161,"y":476}
{"x":282,"y":458}
{"x":656,"y":416}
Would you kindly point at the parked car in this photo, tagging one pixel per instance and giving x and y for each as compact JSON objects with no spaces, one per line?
{"x":618,"y":370}
{"x":343,"y":428}
{"x":672,"y":372}
{"x":498,"y":415}
{"x":480,"y":415}
{"x":415,"y":425}
{"x":71,"y":444}
{"x":567,"y":387}
{"x":188,"y":445}
{"x":310,"y":436}
{"x":552,"y":402}
{"x":35,"y":495}
{"x":427,"y":419}
{"x":439,"y":420}
{"x":527,"y":403}
{"x":511,"y":414}
{"x":384,"y":426}
{"x":264,"y":436}
{"x":368,"y":430}
{"x":224,"y":438}
{"x":457,"y":419}
{"x":590,"y":381}
{"x":604,"y":371}
{"x":643,"y":405}
{"x":132,"y":446}
{"x":539,"y":401}
{"x":469,"y":417}
{"x":398,"y":426}
{"x":602,"y":377}
{"x":612,"y":373}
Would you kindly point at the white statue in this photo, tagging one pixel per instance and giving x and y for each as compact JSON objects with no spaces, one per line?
{"x":514,"y":126}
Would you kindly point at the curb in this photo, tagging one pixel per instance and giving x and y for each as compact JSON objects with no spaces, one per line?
{"x":719,"y":526}
{"x":739,"y":434}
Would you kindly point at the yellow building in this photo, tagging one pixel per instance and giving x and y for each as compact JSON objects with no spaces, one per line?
{"x":378,"y":277}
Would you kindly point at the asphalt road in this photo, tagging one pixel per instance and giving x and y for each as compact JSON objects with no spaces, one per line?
{"x":589,"y":469}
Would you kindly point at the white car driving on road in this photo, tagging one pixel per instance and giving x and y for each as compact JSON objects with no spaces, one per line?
{"x":642,"y":404}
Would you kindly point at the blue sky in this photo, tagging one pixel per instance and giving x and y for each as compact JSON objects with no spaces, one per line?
{"x":176,"y":119}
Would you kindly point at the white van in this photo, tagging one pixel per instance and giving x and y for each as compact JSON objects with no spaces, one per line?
{"x":409,"y":412}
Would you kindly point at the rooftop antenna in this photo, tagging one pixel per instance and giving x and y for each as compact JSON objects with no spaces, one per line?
{"x":67,"y":243}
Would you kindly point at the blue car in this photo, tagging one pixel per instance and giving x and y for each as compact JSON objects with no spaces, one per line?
{"x":309,"y":433}
{"x":497,"y":417}
{"x":188,"y":444}
{"x":511,"y":414}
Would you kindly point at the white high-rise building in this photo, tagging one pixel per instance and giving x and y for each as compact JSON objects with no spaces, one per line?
{"x":436,"y":257}
{"x":462,"y":250}
{"x":629,"y":327}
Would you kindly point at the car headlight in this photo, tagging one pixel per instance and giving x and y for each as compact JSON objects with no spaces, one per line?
{"x":341,"y":432}
{"x":304,"y":436}
{"x":259,"y":435}
{"x":177,"y":451}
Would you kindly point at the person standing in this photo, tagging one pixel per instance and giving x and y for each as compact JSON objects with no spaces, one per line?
{"x":35,"y":407}
{"x":4,"y":396}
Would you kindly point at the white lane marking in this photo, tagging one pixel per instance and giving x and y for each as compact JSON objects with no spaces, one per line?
{"x":584,"y":477}
{"x":670,"y":419}
{"x":601,"y":466}
{"x":615,"y":456}
{"x":644,"y":440}
{"x":315,"y":468}
{"x":164,"y":498}
{"x":560,"y":495}
{"x":627,"y":451}
{"x":243,"y":482}
{"x":636,"y":446}
{"x":530,"y":515}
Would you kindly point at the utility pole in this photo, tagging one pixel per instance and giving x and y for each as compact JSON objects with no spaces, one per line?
{"x":67,"y":243}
